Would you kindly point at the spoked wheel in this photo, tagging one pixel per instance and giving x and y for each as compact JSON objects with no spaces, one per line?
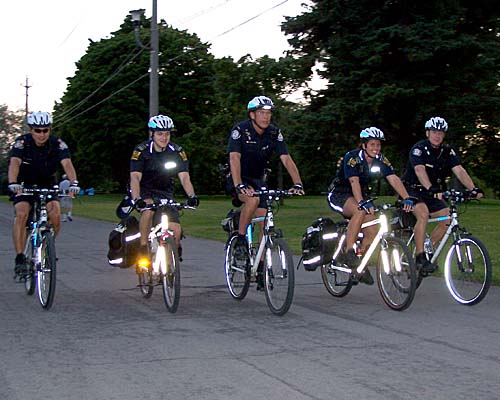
{"x":338,"y":283}
{"x":279,"y":276}
{"x":146,"y":284}
{"x":396,"y":275}
{"x":407,"y":237}
{"x":30,"y":277}
{"x":170,"y":273}
{"x":47,"y":271}
{"x":467,"y":270}
{"x":237,"y":272}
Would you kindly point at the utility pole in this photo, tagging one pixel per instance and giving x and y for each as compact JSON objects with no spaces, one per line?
{"x":26,"y":109}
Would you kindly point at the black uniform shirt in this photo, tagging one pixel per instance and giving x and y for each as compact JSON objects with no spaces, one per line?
{"x":158,"y":168}
{"x":39,"y":163}
{"x":438,"y":162}
{"x":255,"y":149}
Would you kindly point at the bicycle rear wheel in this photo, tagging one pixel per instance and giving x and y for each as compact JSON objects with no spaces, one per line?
{"x":467,"y":270}
{"x":237,"y":273}
{"x":279,"y":276}
{"x":47,"y":271}
{"x":396,"y":275}
{"x":30,"y":277}
{"x":338,"y":283}
{"x":170,"y":273}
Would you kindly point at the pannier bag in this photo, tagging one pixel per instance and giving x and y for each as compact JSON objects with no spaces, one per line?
{"x":403,"y":219}
{"x":124,"y":241}
{"x":232,"y":221}
{"x":318,"y":243}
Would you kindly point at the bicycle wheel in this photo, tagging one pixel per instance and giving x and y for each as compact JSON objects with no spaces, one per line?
{"x":145,"y":282}
{"x":407,"y":237}
{"x":467,"y":270}
{"x":237,"y":273}
{"x":47,"y":271}
{"x":338,"y":283}
{"x":396,"y":275}
{"x":279,"y":276}
{"x":30,"y":277}
{"x":170,"y":273}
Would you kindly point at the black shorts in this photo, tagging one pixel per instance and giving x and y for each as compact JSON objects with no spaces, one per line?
{"x":30,"y":199}
{"x":173,"y":214}
{"x":256,"y":184}
{"x":432,"y":204}
{"x":337,"y":199}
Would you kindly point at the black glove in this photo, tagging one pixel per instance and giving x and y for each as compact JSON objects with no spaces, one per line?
{"x":474,"y":192}
{"x":139,"y":203}
{"x":433,"y":191}
{"x":365,"y":205}
{"x":298,"y":186}
{"x":193,"y":201}
{"x":241,"y":187}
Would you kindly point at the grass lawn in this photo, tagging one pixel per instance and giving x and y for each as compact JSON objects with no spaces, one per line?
{"x":482,"y":219}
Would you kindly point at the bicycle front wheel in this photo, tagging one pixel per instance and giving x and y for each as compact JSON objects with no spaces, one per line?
{"x":237,"y":272}
{"x":146,"y":285}
{"x":170,"y":273}
{"x":30,"y":277}
{"x":396,"y":275}
{"x":47,"y":271}
{"x":279,"y":276}
{"x":338,"y":283}
{"x":467,"y":270}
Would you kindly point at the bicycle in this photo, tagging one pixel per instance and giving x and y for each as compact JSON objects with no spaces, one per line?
{"x":396,"y":273}
{"x":40,"y":249}
{"x":278,"y":271}
{"x":164,"y":267}
{"x":467,"y":265}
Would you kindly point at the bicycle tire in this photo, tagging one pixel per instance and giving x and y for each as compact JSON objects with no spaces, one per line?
{"x":237,"y":276}
{"x":279,"y":283}
{"x":170,"y":273}
{"x":404,"y":235}
{"x":397,"y":286}
{"x":46,"y":272}
{"x":337,"y":283}
{"x":468,"y":284}
{"x":30,"y":277}
{"x":146,"y":285}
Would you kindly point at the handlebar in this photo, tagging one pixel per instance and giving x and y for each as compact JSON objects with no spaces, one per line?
{"x":158,"y":203}
{"x":42,"y":191}
{"x":277,"y":193}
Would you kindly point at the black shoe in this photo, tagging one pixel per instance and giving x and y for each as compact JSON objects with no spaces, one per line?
{"x":349,"y":258}
{"x":20,"y":265}
{"x":241,"y":248}
{"x":367,"y":277}
{"x":260,"y":276}
{"x":424,"y":264}
{"x":70,"y":218}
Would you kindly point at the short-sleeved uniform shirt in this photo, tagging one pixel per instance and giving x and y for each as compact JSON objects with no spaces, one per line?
{"x":158,"y":168}
{"x":438,"y":164}
{"x":39,"y":163}
{"x":354,"y":163}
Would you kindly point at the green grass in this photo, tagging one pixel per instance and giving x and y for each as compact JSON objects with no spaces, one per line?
{"x":482,"y":219}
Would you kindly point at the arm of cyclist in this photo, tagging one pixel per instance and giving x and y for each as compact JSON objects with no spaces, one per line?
{"x":69,"y":169}
{"x":432,"y":191}
{"x":293,"y":171}
{"x":466,"y":180}
{"x":395,"y":182}
{"x":185,"y":180}
{"x":135,"y":190}
{"x":357,"y":193}
{"x":235,"y":165}
{"x":14,"y":165}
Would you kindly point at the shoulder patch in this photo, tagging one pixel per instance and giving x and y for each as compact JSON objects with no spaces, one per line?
{"x":235,"y":134}
{"x":417,"y":152}
{"x":135,"y":155}
{"x":183,"y":155}
{"x":452,"y":152}
{"x":62,"y":145}
{"x":386,"y":162}
{"x":19,"y":144}
{"x":280,"y":136}
{"x":351,"y":162}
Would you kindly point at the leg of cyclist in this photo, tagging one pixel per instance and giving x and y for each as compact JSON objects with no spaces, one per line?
{"x":54,"y":214}
{"x":145,"y":223}
{"x":22,"y":210}
{"x":356,"y":218}
{"x":440,"y":229}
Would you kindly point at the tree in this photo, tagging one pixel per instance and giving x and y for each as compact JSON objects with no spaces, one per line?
{"x":10,"y":127}
{"x":395,"y":63}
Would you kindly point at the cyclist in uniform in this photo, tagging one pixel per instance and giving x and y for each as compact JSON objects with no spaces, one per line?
{"x":431,"y":161}
{"x":33,"y":160}
{"x":251,"y":144}
{"x":351,"y":188}
{"x":153,"y":166}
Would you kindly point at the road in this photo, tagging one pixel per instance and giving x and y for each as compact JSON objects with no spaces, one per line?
{"x":102,"y":340}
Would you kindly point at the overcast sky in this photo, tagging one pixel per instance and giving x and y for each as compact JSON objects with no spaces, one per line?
{"x":42,"y":39}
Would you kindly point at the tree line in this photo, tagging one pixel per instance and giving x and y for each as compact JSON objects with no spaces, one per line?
{"x":387,"y":63}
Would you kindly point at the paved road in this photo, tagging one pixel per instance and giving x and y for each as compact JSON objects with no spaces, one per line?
{"x":102,"y":340}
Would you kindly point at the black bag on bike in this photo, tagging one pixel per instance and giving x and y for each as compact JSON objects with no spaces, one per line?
{"x":318,"y":243}
{"x":124,"y":241}
{"x":232,"y":221}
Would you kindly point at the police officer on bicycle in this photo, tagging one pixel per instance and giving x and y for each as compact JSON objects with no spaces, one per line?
{"x":33,"y":160}
{"x":350,"y":189}
{"x":153,"y":166}
{"x":431,"y":161}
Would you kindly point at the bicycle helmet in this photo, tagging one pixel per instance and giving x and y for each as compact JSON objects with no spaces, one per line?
{"x":371,"y":133}
{"x":40,"y":119}
{"x":260,"y":102}
{"x":160,"y":123}
{"x":436,"y":124}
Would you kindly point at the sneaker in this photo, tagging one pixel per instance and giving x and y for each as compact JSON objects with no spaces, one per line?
{"x":349,"y":258}
{"x":260,"y":276}
{"x":424,"y":264}
{"x":20,"y":264}
{"x":241,"y":248}
{"x":70,"y":218}
{"x":367,"y":277}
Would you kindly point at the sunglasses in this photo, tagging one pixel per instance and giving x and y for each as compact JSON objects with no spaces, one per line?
{"x":38,"y":130}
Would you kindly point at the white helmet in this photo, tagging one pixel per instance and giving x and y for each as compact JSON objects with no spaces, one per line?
{"x":260,"y":102}
{"x":437,"y":124}
{"x":371,"y":133}
{"x":161,"y":123}
{"x":40,"y":119}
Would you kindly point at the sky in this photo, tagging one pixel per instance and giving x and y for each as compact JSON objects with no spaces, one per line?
{"x":43,"y":39}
